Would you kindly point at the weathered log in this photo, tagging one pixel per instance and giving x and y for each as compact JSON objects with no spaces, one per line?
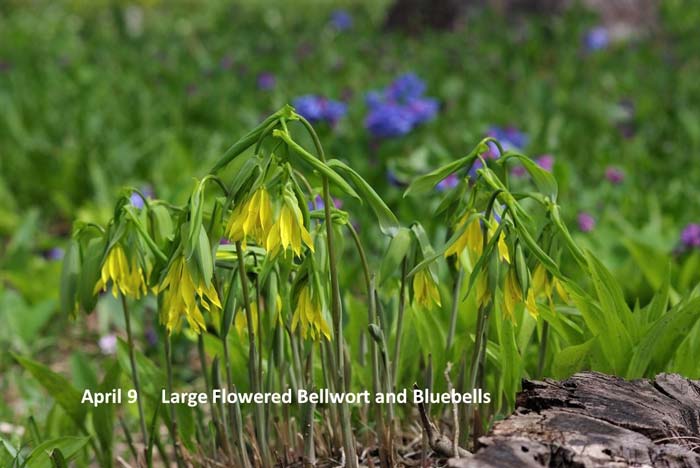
{"x":596,"y":420}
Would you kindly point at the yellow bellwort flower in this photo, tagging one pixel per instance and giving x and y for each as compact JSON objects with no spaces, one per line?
{"x":289,"y":231}
{"x":182,"y":297}
{"x":544,"y":287}
{"x":472,"y":238}
{"x":512,"y":294}
{"x":241,"y":322}
{"x":307,"y":315}
{"x":482,"y":290}
{"x":126,"y":276}
{"x":251,"y":219}
{"x":425,"y":291}
{"x":502,"y":247}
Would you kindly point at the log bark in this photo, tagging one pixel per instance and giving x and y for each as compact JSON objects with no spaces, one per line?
{"x":596,"y":420}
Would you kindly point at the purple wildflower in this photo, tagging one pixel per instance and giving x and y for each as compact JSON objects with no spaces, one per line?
{"x":614,"y":175}
{"x":317,"y":108}
{"x":320,"y":205}
{"x":54,"y":254}
{"x":4,"y":66}
{"x":108,"y":344}
{"x":151,"y":336}
{"x":266,"y":81}
{"x":596,"y":39}
{"x":690,"y":237}
{"x":546,"y":162}
{"x":341,"y":20}
{"x":449,"y":182}
{"x":586,"y":223}
{"x":518,"y":171}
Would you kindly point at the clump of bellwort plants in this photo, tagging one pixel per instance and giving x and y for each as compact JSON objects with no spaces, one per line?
{"x":248,"y":278}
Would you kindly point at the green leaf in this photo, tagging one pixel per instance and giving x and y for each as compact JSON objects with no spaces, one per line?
{"x":573,"y":359}
{"x":151,"y":377}
{"x":9,"y":456}
{"x":57,"y":459}
{"x":58,"y":387}
{"x":68,"y":446}
{"x":203,"y":257}
{"x":544,"y":180}
{"x":82,"y":371}
{"x":427,"y":181}
{"x":247,"y":141}
{"x":387,"y":219}
{"x":399,"y":245}
{"x":163,"y":228}
{"x":317,"y":164}
{"x":90,"y":274}
{"x":658,"y":346}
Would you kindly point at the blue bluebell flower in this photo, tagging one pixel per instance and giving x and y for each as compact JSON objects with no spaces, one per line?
{"x":389,"y":120}
{"x":137,"y":200}
{"x":449,"y":182}
{"x":399,"y":108}
{"x":405,"y":87}
{"x":596,"y":39}
{"x":341,"y":20}
{"x":319,"y":109}
{"x":423,"y":109}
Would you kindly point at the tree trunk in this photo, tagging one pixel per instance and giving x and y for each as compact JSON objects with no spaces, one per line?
{"x":596,"y":420}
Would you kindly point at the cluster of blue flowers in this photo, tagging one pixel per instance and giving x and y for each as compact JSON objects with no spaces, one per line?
{"x":316,"y":108}
{"x":399,"y":108}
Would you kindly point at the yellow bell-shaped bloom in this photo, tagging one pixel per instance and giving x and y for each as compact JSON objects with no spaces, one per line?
{"x":182,"y":297}
{"x":503,"y":253}
{"x":126,"y":276}
{"x":425,"y":291}
{"x":307,"y":315}
{"x":288,"y":231}
{"x":482,"y":291}
{"x":241,"y":322}
{"x":472,"y":238}
{"x":544,"y":287}
{"x":512,"y":294}
{"x":251,"y":219}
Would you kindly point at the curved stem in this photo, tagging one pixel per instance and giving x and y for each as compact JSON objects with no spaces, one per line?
{"x":134,"y":372}
{"x":173,"y":417}
{"x":455,"y":308}
{"x":336,"y":309}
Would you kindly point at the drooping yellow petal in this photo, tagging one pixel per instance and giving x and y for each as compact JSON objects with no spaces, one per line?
{"x":512,"y":294}
{"x":308,"y":317}
{"x":503,"y":253}
{"x":425,"y":291}
{"x":530,"y":304}
{"x":182,"y":298}
{"x":126,"y":277}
